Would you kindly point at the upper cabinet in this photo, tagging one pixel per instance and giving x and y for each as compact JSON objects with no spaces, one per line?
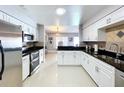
{"x":117,"y":16}
{"x":91,"y":33}
{"x":27,"y":28}
{"x":112,"y":18}
{"x":94,"y":33}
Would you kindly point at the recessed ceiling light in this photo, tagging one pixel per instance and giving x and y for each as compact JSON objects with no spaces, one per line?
{"x":60,"y":11}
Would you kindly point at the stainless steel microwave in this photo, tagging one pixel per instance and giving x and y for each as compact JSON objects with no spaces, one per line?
{"x":27,"y":38}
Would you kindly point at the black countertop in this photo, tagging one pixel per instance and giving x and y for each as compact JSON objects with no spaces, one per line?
{"x":30,"y":50}
{"x":116,"y":62}
{"x":105,"y":56}
{"x":70,"y":48}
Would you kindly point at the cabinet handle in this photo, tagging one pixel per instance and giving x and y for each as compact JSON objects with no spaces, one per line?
{"x":122,"y":77}
{"x":97,"y":69}
{"x":108,"y":20}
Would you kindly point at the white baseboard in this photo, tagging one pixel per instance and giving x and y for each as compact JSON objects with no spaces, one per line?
{"x":52,"y":51}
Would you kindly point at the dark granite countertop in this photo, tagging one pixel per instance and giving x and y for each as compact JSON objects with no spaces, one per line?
{"x":30,"y":50}
{"x":70,"y":48}
{"x":107,"y":57}
{"x":116,"y":62}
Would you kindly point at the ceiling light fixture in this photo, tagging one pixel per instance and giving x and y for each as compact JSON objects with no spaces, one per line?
{"x":60,"y":11}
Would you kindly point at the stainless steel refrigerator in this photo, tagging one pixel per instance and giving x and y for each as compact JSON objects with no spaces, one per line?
{"x":10,"y":55}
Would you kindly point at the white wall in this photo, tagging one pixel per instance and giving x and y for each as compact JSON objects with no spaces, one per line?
{"x":54,"y":36}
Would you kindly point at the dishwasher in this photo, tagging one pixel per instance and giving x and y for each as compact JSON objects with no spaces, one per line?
{"x":119,"y":78}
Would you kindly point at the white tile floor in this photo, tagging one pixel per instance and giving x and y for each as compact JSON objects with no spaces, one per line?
{"x":51,"y":75}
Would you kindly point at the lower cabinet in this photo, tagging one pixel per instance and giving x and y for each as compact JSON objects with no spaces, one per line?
{"x":68,"y":57}
{"x":103,"y":74}
{"x":25,"y":66}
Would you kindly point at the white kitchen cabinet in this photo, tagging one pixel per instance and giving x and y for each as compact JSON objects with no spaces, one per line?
{"x":41,"y":55}
{"x":103,"y":74}
{"x":94,"y":33}
{"x":106,"y":74}
{"x":60,"y":58}
{"x":68,"y":58}
{"x":86,"y":34}
{"x":25,"y":67}
{"x":76,"y":58}
{"x":113,"y":18}
{"x":117,"y":15}
{"x":13,"y":20}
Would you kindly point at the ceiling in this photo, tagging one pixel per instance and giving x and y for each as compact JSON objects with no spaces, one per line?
{"x":75,"y":14}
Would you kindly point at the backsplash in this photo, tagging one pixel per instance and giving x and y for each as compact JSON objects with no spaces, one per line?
{"x":115,"y":35}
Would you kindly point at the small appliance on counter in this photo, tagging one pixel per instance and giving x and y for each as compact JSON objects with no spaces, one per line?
{"x":95,"y":48}
{"x":90,"y":49}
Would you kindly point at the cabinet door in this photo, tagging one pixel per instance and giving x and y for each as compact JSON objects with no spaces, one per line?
{"x":81,"y":59}
{"x":76,"y":57}
{"x":104,"y":21}
{"x":68,"y":58}
{"x":95,"y":73}
{"x":60,"y":58}
{"x":117,"y":15}
{"x":13,"y":20}
{"x":84,"y":60}
{"x":107,"y":77}
{"x":85,"y":34}
{"x":25,"y":67}
{"x":93,"y":32}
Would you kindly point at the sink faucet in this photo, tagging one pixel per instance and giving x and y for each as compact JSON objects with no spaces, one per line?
{"x":117,"y":48}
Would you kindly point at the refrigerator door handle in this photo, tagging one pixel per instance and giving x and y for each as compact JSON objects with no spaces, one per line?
{"x":2,"y":61}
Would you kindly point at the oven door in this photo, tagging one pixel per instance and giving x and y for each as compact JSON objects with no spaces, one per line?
{"x":34,"y":65}
{"x":34,"y":55}
{"x":34,"y":61}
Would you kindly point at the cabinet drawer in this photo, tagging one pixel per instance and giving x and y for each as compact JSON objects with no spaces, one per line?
{"x":106,"y":66}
